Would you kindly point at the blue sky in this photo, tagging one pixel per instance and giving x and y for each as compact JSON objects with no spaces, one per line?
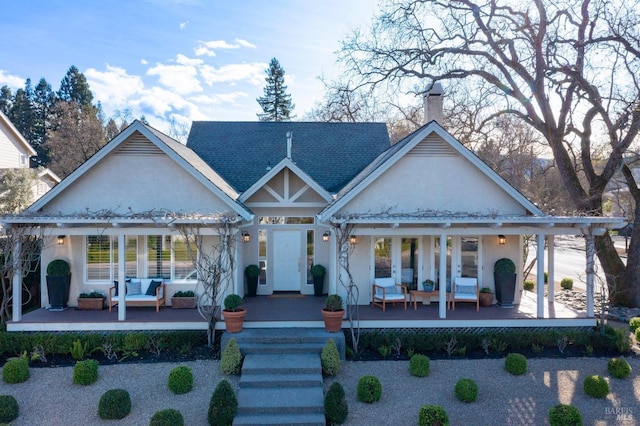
{"x":181,"y":59}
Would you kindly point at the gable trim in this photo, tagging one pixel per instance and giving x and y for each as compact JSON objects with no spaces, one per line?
{"x":16,"y":133}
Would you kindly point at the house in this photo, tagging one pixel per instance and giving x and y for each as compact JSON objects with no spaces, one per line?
{"x":292,"y":195}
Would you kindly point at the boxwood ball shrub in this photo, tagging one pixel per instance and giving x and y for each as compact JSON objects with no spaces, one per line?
{"x":180,"y":380}
{"x":528,"y":285}
{"x":516,"y":364}
{"x":223,"y":405}
{"x":231,"y":359}
{"x":369,"y":389}
{"x":466,"y":390}
{"x":596,"y":386}
{"x":167,"y":417}
{"x":419,"y":365}
{"x":85,"y":372}
{"x":432,"y":415}
{"x":566,"y":283}
{"x":115,"y":404}
{"x":9,"y":408}
{"x":330,"y":359}
{"x":619,"y":368}
{"x":564,"y":415}
{"x":16,"y":370}
{"x":335,"y":405}
{"x":634,"y":324}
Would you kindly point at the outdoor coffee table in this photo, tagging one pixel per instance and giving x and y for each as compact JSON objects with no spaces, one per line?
{"x":414,"y":294}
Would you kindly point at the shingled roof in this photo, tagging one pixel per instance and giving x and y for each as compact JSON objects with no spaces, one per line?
{"x":331,"y":153}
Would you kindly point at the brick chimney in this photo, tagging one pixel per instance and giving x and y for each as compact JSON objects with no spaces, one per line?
{"x":433,"y":104}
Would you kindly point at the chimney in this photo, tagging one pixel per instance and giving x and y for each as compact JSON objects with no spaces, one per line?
{"x":289,"y":137}
{"x":433,"y":104}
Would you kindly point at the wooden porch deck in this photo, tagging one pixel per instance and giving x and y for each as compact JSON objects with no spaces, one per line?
{"x":300,"y":311}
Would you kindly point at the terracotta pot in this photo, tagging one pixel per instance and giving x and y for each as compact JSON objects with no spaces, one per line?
{"x":91,"y":304}
{"x":486,"y":299}
{"x":183,"y":302}
{"x":234,"y":320}
{"x":332,"y":320}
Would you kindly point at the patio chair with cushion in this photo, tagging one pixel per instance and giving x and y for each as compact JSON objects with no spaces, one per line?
{"x":385,"y":290}
{"x":465,"y":290}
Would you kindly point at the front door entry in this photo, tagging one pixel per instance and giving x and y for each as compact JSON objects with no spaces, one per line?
{"x":287,"y":262}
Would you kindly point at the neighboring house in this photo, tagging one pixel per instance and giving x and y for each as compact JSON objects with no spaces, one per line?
{"x":425,"y":207}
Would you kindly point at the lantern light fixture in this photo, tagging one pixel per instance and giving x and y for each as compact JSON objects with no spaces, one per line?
{"x":246,"y":237}
{"x":326,"y":235}
{"x":502,"y":239}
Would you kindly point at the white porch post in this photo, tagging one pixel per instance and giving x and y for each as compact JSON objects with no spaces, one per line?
{"x":122,"y":286}
{"x":442,"y":279}
{"x":17,"y":283}
{"x":540,"y":274}
{"x":550,"y":267}
{"x":335,"y":265}
{"x":590,"y":252}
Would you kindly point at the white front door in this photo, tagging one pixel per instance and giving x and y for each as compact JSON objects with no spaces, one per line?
{"x":287,"y":261}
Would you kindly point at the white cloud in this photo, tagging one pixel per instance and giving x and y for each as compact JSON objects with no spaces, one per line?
{"x":208,"y":47}
{"x":182,"y":79}
{"x":251,"y":73}
{"x":114,"y":87}
{"x":143,"y":61}
{"x":183,"y":60}
{"x":219,"y":98}
{"x":245,"y":43}
{"x":183,"y":25}
{"x":13,"y":81}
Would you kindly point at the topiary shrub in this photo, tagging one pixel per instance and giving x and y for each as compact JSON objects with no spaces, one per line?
{"x":432,"y":415}
{"x":504,"y":266}
{"x":619,"y":368}
{"x":466,"y":390}
{"x":180,"y":380}
{"x":516,"y":364}
{"x":115,"y":404}
{"x":596,"y":386}
{"x":223,"y":405}
{"x":330,"y":359}
{"x":634,"y":324}
{"x":167,"y":417}
{"x":16,"y":370}
{"x":528,"y":285}
{"x":564,"y":415}
{"x":369,"y":389}
{"x":9,"y":408}
{"x":231,"y":360}
{"x":335,"y":405}
{"x":419,"y":365}
{"x":566,"y":283}
{"x":85,"y":372}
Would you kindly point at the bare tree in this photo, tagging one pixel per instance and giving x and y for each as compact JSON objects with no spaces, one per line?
{"x":568,"y":69}
{"x":16,"y":189}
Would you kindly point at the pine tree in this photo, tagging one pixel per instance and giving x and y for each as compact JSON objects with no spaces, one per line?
{"x":276,"y":102}
{"x":6,"y":100}
{"x":74,"y":88}
{"x":43,"y":100}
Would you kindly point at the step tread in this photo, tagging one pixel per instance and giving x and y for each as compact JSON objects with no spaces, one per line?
{"x":281,"y":398}
{"x":303,"y":419}
{"x":280,"y":360}
{"x":283,"y":380}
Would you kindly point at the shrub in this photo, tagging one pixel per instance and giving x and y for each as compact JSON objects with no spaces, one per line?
{"x":85,"y":372}
{"x":369,"y":389}
{"x":432,"y":415}
{"x":188,"y":293}
{"x":546,"y":278}
{"x":232,"y":302}
{"x":114,"y":404}
{"x":167,"y":417}
{"x":231,"y":359}
{"x":330,"y":359}
{"x":619,"y":368}
{"x":516,"y":364}
{"x":335,"y":404}
{"x":58,"y":268}
{"x":466,"y":390}
{"x":419,"y":365}
{"x":9,"y":408}
{"x":566,"y":283}
{"x":634,"y":324}
{"x":78,"y":350}
{"x":180,"y":380}
{"x":596,"y":386}
{"x":504,"y":266}
{"x":528,"y":285}
{"x":16,"y":370}
{"x":333,"y":303}
{"x":223,"y":405}
{"x":564,"y":415}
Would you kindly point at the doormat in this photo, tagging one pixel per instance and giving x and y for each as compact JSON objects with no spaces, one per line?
{"x":286,"y":295}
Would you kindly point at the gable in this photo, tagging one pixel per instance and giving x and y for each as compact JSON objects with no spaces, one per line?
{"x":14,"y":149}
{"x":285,"y":189}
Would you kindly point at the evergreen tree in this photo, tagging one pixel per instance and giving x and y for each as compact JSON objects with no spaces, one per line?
{"x":43,"y":100}
{"x":74,"y":88}
{"x":6,"y":100}
{"x":21,"y":114}
{"x":276,"y":102}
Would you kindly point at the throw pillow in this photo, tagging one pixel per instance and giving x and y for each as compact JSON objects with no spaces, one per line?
{"x":153,"y":285}
{"x":134,"y":287}
{"x":115,"y":283}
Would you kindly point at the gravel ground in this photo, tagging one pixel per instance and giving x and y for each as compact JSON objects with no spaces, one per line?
{"x":50,"y":398}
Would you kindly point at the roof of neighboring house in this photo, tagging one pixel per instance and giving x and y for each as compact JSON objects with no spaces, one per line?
{"x":330,"y":153}
{"x":4,"y":120}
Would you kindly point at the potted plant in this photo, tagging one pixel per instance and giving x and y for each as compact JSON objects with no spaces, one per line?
{"x":183,"y":300}
{"x":504,"y":276}
{"x":58,"y":284}
{"x":252,"y":272}
{"x":318,"y":272}
{"x":332,"y":313}
{"x":486,"y":296}
{"x":233,"y":314}
{"x":92,"y":301}
{"x":428,"y":285}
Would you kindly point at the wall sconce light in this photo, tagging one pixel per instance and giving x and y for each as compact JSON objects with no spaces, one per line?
{"x":61,"y":239}
{"x":325,"y":236}
{"x":502,"y":239}
{"x":246,"y":237}
{"x":352,"y":239}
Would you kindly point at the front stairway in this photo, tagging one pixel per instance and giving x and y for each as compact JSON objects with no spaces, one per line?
{"x":281,"y":378}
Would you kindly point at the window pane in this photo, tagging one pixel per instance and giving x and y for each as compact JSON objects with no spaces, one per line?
{"x":183,"y":268}
{"x":382,"y":251}
{"x":98,"y":258}
{"x":159,"y":256}
{"x":262,"y":256}
{"x":409,"y":265}
{"x":309,"y":255}
{"x":131,"y":254}
{"x":469,"y":256}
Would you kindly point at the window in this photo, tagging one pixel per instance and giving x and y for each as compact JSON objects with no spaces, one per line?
{"x":262,"y":256}
{"x":382,"y":256}
{"x":310,"y":251}
{"x":131,"y":256}
{"x":98,"y":257}
{"x":286,"y":220}
{"x":183,"y":267}
{"x":159,"y":256}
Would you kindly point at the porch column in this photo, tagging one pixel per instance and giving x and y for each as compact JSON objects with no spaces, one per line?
{"x":590,"y":253}
{"x":334,"y":267}
{"x":550,"y":267}
{"x":442,"y":279}
{"x":17,"y":282}
{"x":122,"y":285}
{"x":540,"y":274}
